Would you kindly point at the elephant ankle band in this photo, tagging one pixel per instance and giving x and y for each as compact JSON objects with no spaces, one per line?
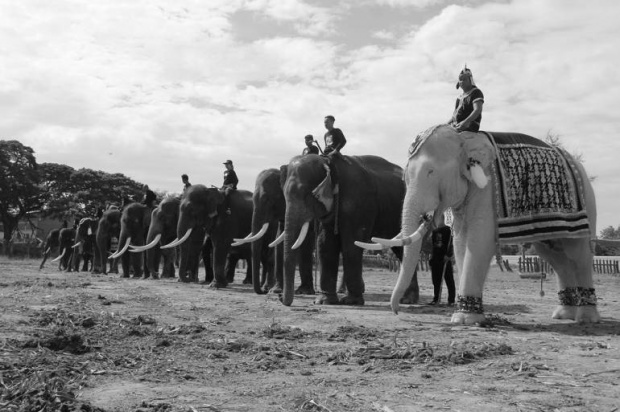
{"x":577,"y":296}
{"x":470,"y":304}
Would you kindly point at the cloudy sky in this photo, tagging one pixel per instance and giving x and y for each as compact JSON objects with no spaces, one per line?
{"x":157,"y":88}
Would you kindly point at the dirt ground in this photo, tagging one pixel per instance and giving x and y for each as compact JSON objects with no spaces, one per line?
{"x":76,"y":341}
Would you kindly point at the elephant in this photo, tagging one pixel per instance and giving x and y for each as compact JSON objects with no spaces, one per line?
{"x":364,"y":198}
{"x":52,"y":243}
{"x":267,"y":221}
{"x":163,"y":230}
{"x":85,"y":240}
{"x":109,"y":227}
{"x":66,"y":239}
{"x":203,"y":208}
{"x":135,"y":222}
{"x":530,"y":199}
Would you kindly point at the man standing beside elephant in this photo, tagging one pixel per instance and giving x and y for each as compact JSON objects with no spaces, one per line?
{"x":441,"y":262}
{"x":334,"y":138}
{"x":468,"y":108}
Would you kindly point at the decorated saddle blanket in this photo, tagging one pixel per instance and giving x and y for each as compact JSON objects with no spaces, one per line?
{"x":538,"y":191}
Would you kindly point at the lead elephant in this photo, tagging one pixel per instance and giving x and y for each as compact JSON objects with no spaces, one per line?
{"x":538,"y":194}
{"x":267,"y":221}
{"x":363,"y":199}
{"x":203,"y":208}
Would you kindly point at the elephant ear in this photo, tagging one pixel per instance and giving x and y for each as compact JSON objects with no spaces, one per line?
{"x":476,"y":159}
{"x":283,"y":174}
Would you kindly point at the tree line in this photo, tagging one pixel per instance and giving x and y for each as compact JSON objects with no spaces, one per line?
{"x":55,"y":190}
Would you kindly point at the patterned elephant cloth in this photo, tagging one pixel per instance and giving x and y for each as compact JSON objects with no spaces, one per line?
{"x":538,"y":190}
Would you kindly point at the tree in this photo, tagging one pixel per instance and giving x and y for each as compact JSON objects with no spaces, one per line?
{"x":610,"y":233}
{"x":19,"y":185}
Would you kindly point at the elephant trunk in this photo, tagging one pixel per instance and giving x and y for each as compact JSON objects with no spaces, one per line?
{"x":257,"y":248}
{"x":292,"y":229}
{"x":412,"y":212}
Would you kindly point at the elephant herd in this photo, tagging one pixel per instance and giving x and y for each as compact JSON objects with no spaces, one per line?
{"x":340,"y":205}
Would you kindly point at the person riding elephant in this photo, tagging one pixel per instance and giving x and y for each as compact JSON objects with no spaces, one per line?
{"x":203,"y":208}
{"x":135,"y":222}
{"x":538,"y":193}
{"x":267,"y":221}
{"x":366,"y":201}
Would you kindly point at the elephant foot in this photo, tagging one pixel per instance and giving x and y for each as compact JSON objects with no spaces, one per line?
{"x":587,"y":314}
{"x":411,"y":296}
{"x":247,"y":281}
{"x":276,"y":289}
{"x":352,"y":300}
{"x":124,"y":276}
{"x":467,"y":318}
{"x":218,"y":284}
{"x":305,"y":290}
{"x":564,"y":312}
{"x":327,"y":299}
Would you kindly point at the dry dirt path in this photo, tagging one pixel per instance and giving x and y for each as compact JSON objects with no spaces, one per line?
{"x":101,"y":343}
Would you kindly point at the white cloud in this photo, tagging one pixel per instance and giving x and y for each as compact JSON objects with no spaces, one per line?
{"x":168,"y":88}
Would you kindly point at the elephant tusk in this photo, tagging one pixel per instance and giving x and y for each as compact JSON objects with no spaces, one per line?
{"x":48,"y":250}
{"x":123,"y":250}
{"x":302,"y":235}
{"x":78,"y":244}
{"x":370,"y":246}
{"x":251,"y":238}
{"x":60,"y":257}
{"x":278,"y":240}
{"x":177,"y":242}
{"x":407,"y":240}
{"x":136,"y":249}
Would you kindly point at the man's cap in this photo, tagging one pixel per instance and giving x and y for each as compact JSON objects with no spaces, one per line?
{"x":309,"y":136}
{"x":463,"y":73}
{"x":329,"y":116}
{"x":228,"y":162}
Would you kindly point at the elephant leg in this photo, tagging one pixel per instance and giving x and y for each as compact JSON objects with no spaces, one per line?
{"x":352,"y":275}
{"x":248,"y":273}
{"x":474,"y":257}
{"x":329,"y":254}
{"x":125,"y":264}
{"x":231,"y":265}
{"x":279,"y":269}
{"x":207,"y":260}
{"x":412,"y":293}
{"x":137,"y":264}
{"x":219,"y":267}
{"x":572,"y":261}
{"x":184,"y":256}
{"x":305,"y":268}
